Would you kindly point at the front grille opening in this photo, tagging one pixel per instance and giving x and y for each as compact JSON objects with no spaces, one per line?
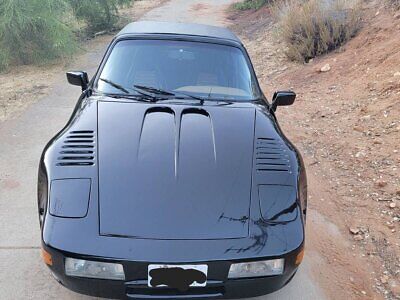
{"x":78,"y":149}
{"x":198,"y":292}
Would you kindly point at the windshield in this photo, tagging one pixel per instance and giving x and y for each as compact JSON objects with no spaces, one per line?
{"x":210,"y":71}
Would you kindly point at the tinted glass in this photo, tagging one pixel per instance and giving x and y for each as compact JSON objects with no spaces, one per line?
{"x":202,"y":69}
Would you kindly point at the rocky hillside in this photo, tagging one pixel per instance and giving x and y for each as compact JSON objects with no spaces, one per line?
{"x":346,"y":122}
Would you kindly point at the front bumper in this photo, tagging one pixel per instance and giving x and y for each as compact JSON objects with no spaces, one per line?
{"x":135,"y":285}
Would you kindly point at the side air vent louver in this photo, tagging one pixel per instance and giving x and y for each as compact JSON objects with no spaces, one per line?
{"x":271,"y":156}
{"x":78,"y":149}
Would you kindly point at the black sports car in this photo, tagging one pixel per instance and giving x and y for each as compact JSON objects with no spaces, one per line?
{"x":172,"y":179}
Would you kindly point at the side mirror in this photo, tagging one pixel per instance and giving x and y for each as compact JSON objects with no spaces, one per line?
{"x":283,"y":98}
{"x":79,"y":78}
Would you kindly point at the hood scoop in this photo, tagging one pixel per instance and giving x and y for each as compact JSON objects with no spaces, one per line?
{"x":174,"y":172}
{"x":271,"y":156}
{"x":78,"y":149}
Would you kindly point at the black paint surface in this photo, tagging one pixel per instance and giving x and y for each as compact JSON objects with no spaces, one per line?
{"x":205,"y":187}
{"x":69,"y":198}
{"x":172,"y":174}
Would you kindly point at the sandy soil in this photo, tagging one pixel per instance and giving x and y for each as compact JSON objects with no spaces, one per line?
{"x":23,"y":85}
{"x":209,"y":12}
{"x":346,"y":122}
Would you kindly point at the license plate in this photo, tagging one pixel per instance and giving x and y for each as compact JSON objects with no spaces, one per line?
{"x":177,"y":276}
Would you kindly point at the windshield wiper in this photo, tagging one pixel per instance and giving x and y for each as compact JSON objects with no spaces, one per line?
{"x":129,"y":97}
{"x":166,"y":92}
{"x":154,"y":90}
{"x":115,"y":85}
{"x":126,"y":90}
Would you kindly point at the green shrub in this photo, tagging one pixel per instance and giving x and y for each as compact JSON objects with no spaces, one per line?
{"x":4,"y":58}
{"x":250,"y":4}
{"x":31,"y":32}
{"x":98,"y":15}
{"x":312,"y":27}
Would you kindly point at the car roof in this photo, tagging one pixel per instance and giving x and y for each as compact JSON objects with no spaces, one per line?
{"x":150,"y":27}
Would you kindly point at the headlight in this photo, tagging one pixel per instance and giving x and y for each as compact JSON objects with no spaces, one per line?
{"x":257,"y":269}
{"x":93,"y":269}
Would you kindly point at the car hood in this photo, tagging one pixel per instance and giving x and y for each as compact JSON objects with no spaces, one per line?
{"x":174,"y":171}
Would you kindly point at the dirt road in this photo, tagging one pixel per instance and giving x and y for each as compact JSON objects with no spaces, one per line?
{"x":23,"y":275}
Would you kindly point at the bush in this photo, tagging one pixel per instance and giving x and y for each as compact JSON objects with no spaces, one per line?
{"x":31,"y":32}
{"x":4,"y":59}
{"x":394,"y":3}
{"x":312,"y":27}
{"x":36,"y":31}
{"x":250,"y":4}
{"x":98,"y":15}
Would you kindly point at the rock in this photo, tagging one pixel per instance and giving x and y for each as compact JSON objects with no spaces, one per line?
{"x":354,"y":230}
{"x":394,"y":287}
{"x":398,"y":193}
{"x":358,"y":238}
{"x":396,"y":74}
{"x":326,"y":68}
{"x":381,"y":183}
{"x":384,"y":279}
{"x":392,"y":205}
{"x":360,"y":154}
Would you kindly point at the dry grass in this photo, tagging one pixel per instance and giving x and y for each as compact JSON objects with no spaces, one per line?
{"x":250,"y":4}
{"x":313,"y":27}
{"x":394,"y":3}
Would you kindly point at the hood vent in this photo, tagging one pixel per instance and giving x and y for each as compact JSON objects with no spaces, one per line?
{"x":78,"y":149}
{"x":271,"y":156}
